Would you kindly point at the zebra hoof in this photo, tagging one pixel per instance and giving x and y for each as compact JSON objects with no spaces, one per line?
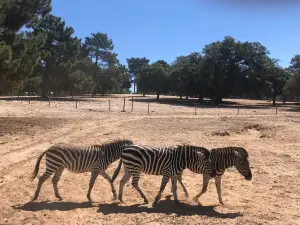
{"x":154,"y":203}
{"x":59,"y":198}
{"x":221,"y":202}
{"x":177,"y":202}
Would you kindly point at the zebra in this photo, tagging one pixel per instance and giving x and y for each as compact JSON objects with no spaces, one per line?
{"x":223,"y":158}
{"x":94,"y":159}
{"x":167,"y":161}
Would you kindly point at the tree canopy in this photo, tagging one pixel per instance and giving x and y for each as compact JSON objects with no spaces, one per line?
{"x":46,"y":57}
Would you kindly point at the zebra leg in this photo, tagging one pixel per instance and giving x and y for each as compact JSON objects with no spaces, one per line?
{"x":206,"y":178}
{"x":164,"y":182}
{"x":179,"y":178}
{"x":42,"y":179}
{"x":174,"y":189}
{"x":107,"y":177}
{"x":94,"y":175}
{"x":124,"y":180}
{"x":218,"y":186}
{"x":135,"y":184}
{"x":55,"y":180}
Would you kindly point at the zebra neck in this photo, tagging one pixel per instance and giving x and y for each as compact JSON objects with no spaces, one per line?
{"x":111,"y":155}
{"x":223,"y":160}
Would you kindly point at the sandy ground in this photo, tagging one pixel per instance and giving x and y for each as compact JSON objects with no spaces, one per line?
{"x":273,"y":141}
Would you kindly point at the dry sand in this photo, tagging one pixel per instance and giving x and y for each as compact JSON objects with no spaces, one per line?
{"x":273,"y":141}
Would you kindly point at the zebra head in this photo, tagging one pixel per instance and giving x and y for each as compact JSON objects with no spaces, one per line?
{"x":242,"y":163}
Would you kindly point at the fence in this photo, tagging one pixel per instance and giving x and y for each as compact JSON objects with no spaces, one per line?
{"x":149,"y":106}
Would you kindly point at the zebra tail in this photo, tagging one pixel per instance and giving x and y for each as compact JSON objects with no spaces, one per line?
{"x":37,"y":166}
{"x":114,"y":176}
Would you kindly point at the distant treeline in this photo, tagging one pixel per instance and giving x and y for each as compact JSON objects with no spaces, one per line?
{"x":47,"y":58}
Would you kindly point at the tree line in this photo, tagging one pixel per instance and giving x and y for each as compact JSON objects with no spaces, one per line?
{"x":40,"y":54}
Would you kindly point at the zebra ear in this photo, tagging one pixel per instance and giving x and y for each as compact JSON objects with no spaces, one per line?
{"x":200,"y":154}
{"x":239,"y":155}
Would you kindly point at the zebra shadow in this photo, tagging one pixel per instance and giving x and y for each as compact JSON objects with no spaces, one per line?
{"x":167,"y":207}
{"x":46,"y":205}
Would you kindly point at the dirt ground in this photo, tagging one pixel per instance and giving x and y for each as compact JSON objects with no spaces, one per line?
{"x":273,"y":141}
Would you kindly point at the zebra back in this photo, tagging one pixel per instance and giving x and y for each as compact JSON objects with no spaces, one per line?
{"x":112,"y":150}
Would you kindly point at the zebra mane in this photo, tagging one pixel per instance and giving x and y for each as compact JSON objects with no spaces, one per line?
{"x":203,"y":150}
{"x":241,"y":150}
{"x":116,"y":141}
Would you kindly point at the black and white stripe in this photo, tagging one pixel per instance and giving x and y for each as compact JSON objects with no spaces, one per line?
{"x":223,"y":158}
{"x":168,"y":161}
{"x":94,"y":159}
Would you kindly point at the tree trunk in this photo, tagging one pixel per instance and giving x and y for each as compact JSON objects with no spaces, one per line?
{"x":200,"y":99}
{"x":217,"y":100}
{"x":157,"y":96}
{"x":134,"y":86}
{"x":44,"y":94}
{"x":180,"y":97}
{"x":284,"y":99}
{"x":72,"y":95}
{"x":274,"y":99}
{"x":144,"y":94}
{"x":187,"y":97}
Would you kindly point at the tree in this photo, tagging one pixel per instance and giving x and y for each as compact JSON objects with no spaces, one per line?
{"x":59,"y":56}
{"x":135,"y":66}
{"x":19,"y":51}
{"x":122,"y":79}
{"x":292,"y":85}
{"x":220,"y":66}
{"x":100,"y":49}
{"x":186,"y":76}
{"x":153,"y":78}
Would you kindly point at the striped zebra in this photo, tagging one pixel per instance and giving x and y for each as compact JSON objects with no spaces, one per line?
{"x":223,"y":158}
{"x":94,"y":159}
{"x":168,"y":161}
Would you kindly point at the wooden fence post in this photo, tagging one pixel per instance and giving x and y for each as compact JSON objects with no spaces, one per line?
{"x":238,"y":110}
{"x":123,"y":106}
{"x":276,"y":109}
{"x":196,"y":106}
{"x":148,"y":107}
{"x":109,"y":105}
{"x":76,"y":103}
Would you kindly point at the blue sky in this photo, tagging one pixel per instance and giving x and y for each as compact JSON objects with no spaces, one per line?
{"x":164,"y":29}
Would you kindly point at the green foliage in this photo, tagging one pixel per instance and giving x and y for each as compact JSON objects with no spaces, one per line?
{"x":100,"y":48}
{"x":154,"y":78}
{"x":135,"y":66}
{"x":51,"y":59}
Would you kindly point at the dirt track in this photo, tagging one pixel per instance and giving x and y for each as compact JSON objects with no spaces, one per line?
{"x":273,"y":141}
